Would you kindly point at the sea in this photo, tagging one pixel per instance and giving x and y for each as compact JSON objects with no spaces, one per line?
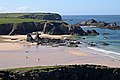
{"x":113,"y":37}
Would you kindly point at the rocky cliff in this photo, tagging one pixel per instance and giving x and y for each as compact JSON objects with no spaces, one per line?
{"x":72,"y":72}
{"x":53,"y":28}
{"x":48,"y":23}
{"x":40,"y":16}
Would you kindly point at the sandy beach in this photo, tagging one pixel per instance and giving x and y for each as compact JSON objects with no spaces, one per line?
{"x":18,"y":53}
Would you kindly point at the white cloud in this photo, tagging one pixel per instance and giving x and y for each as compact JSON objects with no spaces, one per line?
{"x":2,"y":9}
{"x":23,"y":9}
{"x":18,"y":9}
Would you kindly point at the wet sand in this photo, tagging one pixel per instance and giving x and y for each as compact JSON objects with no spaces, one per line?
{"x":23,"y":54}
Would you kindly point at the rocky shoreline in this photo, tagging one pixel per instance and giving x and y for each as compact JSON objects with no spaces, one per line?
{"x":94,"y":23}
{"x":52,"y":28}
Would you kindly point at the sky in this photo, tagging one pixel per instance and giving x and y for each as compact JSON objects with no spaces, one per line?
{"x":63,"y":7}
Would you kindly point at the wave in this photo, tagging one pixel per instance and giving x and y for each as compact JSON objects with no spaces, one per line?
{"x":104,"y":51}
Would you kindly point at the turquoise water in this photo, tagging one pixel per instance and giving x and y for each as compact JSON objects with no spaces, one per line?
{"x":113,"y":39}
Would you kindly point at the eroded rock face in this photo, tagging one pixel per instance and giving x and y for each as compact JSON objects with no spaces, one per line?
{"x":77,"y":30}
{"x":100,"y":24}
{"x":53,"y":28}
{"x":5,"y":29}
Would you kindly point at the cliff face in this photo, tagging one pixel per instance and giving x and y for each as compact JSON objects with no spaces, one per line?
{"x":56,"y":28}
{"x":48,"y":23}
{"x":42,"y":17}
{"x":5,"y":29}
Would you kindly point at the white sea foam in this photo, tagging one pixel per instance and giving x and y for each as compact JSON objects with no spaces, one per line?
{"x":104,"y":51}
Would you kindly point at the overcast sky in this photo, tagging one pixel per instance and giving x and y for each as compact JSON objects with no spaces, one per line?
{"x":64,"y":7}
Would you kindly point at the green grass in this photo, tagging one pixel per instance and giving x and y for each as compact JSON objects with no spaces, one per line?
{"x":30,"y":68}
{"x":14,"y":15}
{"x":57,"y":66}
{"x":18,"y":20}
{"x":14,"y":18}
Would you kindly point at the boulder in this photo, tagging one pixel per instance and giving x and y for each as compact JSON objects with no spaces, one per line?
{"x":29,"y":38}
{"x":37,"y":38}
{"x":76,"y":30}
{"x":91,"y":21}
{"x":92,"y":32}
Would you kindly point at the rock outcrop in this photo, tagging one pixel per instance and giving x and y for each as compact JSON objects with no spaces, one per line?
{"x":53,"y":28}
{"x":100,"y":24}
{"x":48,"y":23}
{"x":72,"y":72}
{"x":92,"y":32}
{"x":48,"y":16}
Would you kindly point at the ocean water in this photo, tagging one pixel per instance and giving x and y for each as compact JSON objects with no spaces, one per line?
{"x":113,"y":39}
{"x":72,"y":19}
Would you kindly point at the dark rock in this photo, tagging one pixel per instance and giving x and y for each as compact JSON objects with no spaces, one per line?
{"x":99,"y":24}
{"x":76,"y":30}
{"x":92,"y":44}
{"x":5,"y":29}
{"x":91,"y":21}
{"x":54,"y":28}
{"x":29,"y":38}
{"x":56,"y":31}
{"x":68,"y":72}
{"x":72,"y":44}
{"x":83,"y":38}
{"x":47,"y":16}
{"x":92,"y":32}
{"x":37,"y":38}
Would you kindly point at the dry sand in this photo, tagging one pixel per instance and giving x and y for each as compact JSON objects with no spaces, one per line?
{"x":77,"y":53}
{"x":22,"y":37}
{"x":10,"y":46}
{"x":22,"y":54}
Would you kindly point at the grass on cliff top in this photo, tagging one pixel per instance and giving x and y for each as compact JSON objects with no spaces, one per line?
{"x":18,"y":20}
{"x":14,"y":15}
{"x":57,"y":66}
{"x":30,"y":68}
